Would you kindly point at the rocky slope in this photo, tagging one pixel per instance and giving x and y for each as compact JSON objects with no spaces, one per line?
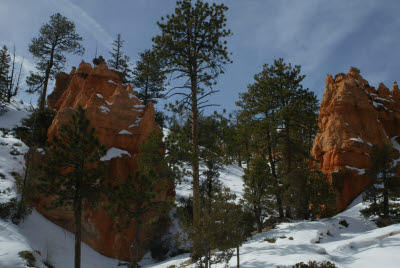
{"x":353,"y":117}
{"x":121,"y":123}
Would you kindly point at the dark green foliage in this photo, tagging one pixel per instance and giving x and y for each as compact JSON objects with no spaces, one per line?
{"x":315,"y":264}
{"x":159,"y":249}
{"x":279,"y":120}
{"x":259,"y":188}
{"x":28,"y":257}
{"x":14,"y":210}
{"x":321,"y":195}
{"x":71,"y":172}
{"x":132,"y":202}
{"x":309,"y":195}
{"x":149,"y":77}
{"x":119,"y":61}
{"x":56,"y":38}
{"x":217,"y":228}
{"x":270,"y":239}
{"x":33,"y":129}
{"x":192,"y":46}
{"x":5,"y":60}
{"x":386,"y":184}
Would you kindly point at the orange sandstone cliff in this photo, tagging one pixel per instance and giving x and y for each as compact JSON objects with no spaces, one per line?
{"x":353,"y":117}
{"x":121,"y":123}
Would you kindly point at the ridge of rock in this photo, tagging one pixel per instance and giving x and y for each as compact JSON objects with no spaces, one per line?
{"x":353,"y":117}
{"x":121,"y":123}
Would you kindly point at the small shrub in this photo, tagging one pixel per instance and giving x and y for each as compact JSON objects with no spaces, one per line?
{"x":282,"y":236}
{"x":17,"y":144}
{"x":314,"y":264}
{"x":270,"y":240}
{"x":291,"y":238}
{"x":172,"y":266}
{"x":14,"y":151}
{"x":329,"y":233}
{"x":14,"y":210}
{"x":28,"y":257}
{"x":344,"y":223}
{"x":381,"y":222}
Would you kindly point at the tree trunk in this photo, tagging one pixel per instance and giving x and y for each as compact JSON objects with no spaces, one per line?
{"x":237,"y":257}
{"x":42,"y":102}
{"x":195,"y":157}
{"x":10,"y":87}
{"x":134,"y":253}
{"x":78,"y":221}
{"x":385,"y":198}
{"x":239,"y":160}
{"x":131,"y":255}
{"x":259,"y":221}
{"x":280,"y":207}
{"x":137,"y":228}
{"x":273,"y":169}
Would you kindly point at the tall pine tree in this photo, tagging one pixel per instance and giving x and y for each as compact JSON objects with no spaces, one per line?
{"x":119,"y":61}
{"x":56,"y":38}
{"x":284,"y":121}
{"x":149,"y":77}
{"x":194,"y":50}
{"x":72,"y":173}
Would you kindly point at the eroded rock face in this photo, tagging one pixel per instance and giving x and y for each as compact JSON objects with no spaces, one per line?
{"x":353,"y":117}
{"x":121,"y":123}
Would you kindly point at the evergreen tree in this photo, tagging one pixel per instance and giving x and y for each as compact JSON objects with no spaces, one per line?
{"x":321,"y":195}
{"x":72,"y":173}
{"x":284,"y":122}
{"x":135,"y":202}
{"x":217,"y":229}
{"x":149,"y":77}
{"x":5,"y":60}
{"x":119,"y":61}
{"x":33,"y":129}
{"x":192,"y":46}
{"x":259,"y":188}
{"x":386,"y":184}
{"x":56,"y":38}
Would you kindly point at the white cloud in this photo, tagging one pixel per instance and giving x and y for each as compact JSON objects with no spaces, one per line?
{"x":85,"y":21}
{"x":308,"y":31}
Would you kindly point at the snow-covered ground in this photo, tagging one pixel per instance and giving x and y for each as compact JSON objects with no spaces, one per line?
{"x":361,"y":244}
{"x":48,"y":241}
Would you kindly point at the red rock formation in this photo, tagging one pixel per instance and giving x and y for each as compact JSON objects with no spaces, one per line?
{"x":353,"y":116}
{"x":121,"y":122}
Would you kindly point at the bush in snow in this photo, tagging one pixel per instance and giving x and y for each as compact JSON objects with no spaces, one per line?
{"x":314,"y":264}
{"x":14,"y":210}
{"x":28,"y":257}
{"x":270,"y":240}
{"x":344,"y":223}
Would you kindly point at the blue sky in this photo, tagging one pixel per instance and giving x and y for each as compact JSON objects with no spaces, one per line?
{"x":323,"y":36}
